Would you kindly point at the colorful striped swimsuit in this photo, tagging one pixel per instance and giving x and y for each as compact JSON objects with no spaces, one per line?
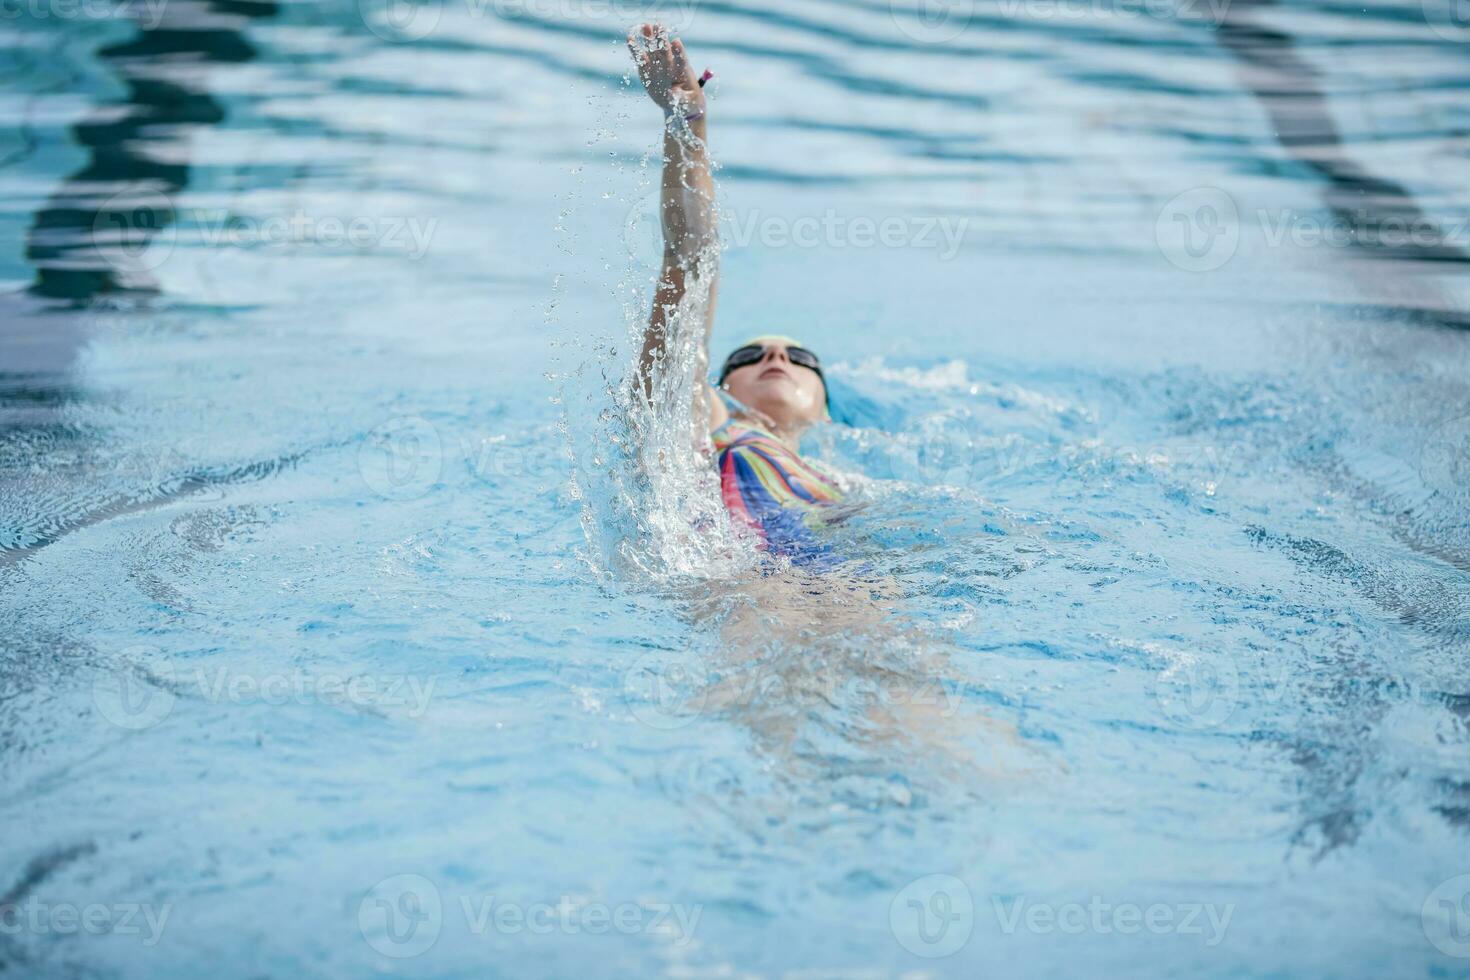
{"x":774,"y":491}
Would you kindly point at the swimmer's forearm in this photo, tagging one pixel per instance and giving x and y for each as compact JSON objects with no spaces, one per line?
{"x":687,"y":217}
{"x":686,"y":204}
{"x":687,"y":195}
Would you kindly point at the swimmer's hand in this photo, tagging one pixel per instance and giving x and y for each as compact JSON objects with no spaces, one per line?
{"x":664,"y":70}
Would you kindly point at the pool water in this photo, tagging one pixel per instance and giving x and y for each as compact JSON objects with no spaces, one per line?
{"x":339,"y":639}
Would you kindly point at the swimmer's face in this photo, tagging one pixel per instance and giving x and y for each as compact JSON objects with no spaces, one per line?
{"x":791,"y":395}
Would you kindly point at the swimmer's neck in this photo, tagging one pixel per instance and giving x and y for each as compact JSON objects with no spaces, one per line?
{"x":788,"y":435}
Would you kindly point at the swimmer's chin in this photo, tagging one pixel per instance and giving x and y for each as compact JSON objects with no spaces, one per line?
{"x":780,"y":399}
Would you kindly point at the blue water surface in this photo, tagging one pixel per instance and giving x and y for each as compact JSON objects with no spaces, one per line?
{"x":315,"y":660}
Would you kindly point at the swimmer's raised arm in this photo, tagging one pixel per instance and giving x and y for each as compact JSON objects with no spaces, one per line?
{"x":686,"y":199}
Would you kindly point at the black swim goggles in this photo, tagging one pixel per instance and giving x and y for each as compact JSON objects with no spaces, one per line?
{"x":752,"y":353}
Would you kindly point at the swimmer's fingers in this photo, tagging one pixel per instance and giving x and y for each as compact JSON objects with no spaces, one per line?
{"x":663,"y":68}
{"x":681,"y":61}
{"x":641,"y":46}
{"x":640,"y":60}
{"x":651,"y":73}
{"x":655,"y":58}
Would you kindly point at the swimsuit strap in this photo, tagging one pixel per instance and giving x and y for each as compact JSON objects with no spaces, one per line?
{"x":736,"y":430}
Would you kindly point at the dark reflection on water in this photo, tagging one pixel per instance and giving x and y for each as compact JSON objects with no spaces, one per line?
{"x":1386,"y":224}
{"x":1336,"y":749}
{"x":89,"y":238}
{"x":88,"y":244}
{"x":1384,"y":220}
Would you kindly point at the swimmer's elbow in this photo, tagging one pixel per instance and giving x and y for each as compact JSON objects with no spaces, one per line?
{"x":694,"y":249}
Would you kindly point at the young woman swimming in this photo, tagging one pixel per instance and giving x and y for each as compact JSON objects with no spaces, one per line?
{"x":774,"y":386}
{"x":829,"y":627}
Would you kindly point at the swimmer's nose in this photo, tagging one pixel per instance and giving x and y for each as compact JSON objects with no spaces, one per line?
{"x":776,"y":352}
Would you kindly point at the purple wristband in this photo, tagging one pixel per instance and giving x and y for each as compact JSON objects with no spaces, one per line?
{"x":702,"y":79}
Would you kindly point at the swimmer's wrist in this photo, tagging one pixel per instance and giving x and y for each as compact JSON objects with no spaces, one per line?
{"x":687,"y":113}
{"x":691,"y":111}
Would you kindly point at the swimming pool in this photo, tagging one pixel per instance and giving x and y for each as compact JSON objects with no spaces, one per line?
{"x":1146,"y":323}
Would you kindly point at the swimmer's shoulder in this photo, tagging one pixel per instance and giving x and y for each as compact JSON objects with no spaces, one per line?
{"x":719,"y":412}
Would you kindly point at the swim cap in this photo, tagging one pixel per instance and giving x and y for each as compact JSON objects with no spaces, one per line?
{"x":762,"y":338}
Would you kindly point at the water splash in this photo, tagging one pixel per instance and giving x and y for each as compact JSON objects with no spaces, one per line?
{"x":641,"y":465}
